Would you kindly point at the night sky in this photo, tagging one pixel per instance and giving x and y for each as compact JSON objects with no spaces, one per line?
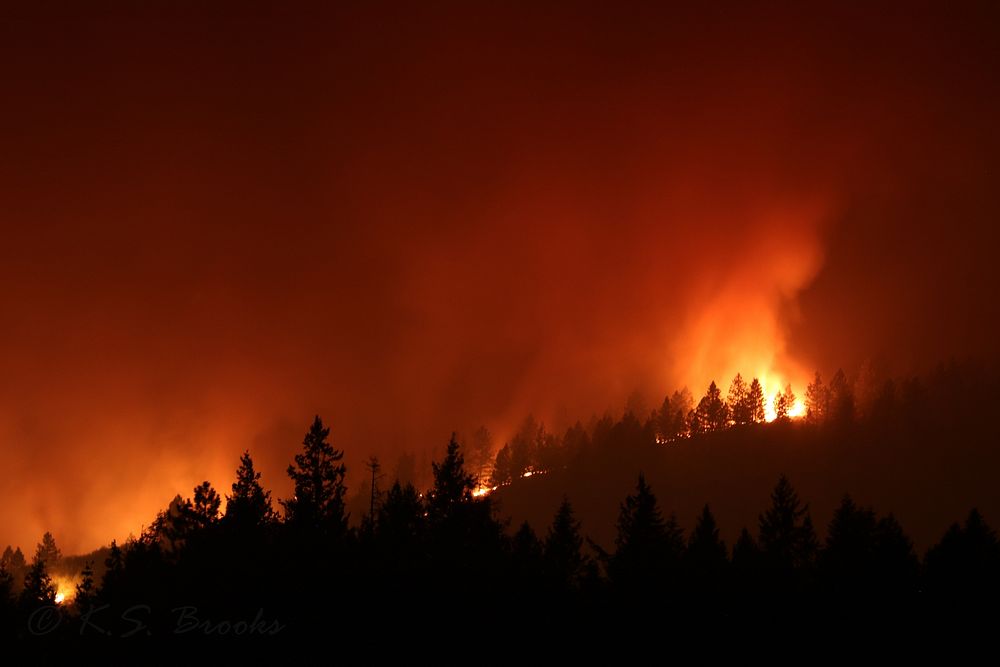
{"x":413,"y":220}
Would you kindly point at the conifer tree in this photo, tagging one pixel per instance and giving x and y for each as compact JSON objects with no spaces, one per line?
{"x":711,"y":414}
{"x":647,"y":548}
{"x":204,"y":509}
{"x":739,"y":401}
{"x":755,"y":402}
{"x":564,"y":557}
{"x":86,"y":590}
{"x":318,"y":475}
{"x":47,"y":551}
{"x":706,"y":554}
{"x":817,"y":400}
{"x":787,"y":538}
{"x":452,"y":484}
{"x":250,"y":505}
{"x":38,"y":587}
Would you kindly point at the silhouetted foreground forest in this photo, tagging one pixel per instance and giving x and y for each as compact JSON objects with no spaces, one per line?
{"x":250,"y":570}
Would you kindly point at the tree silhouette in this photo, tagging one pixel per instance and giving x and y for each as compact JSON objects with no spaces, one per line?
{"x":746,"y":552}
{"x":6,"y":601}
{"x":400,"y":539}
{"x":966,"y":561}
{"x":250,"y":505}
{"x":817,"y":400}
{"x":38,"y":587}
{"x":895,"y":566}
{"x":706,"y":559}
{"x":47,"y":551}
{"x":840,"y":399}
{"x":672,"y":417}
{"x":712,"y":413}
{"x":681,"y":404}
{"x":787,"y":538}
{"x":848,"y":558}
{"x":452,"y":484}
{"x":318,"y":475}
{"x":204,"y":509}
{"x":481,"y":453}
{"x":524,"y":446}
{"x":755,"y":399}
{"x":503,"y":469}
{"x":465,"y":543}
{"x":13,"y":563}
{"x":527,"y":551}
{"x":368,"y":520}
{"x":784,"y":402}
{"x":647,"y":548}
{"x":401,"y":516}
{"x":564,"y":558}
{"x":739,"y":401}
{"x":86,"y":590}
{"x":173,"y":526}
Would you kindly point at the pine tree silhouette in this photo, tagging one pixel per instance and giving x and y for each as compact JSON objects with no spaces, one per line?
{"x":847,"y":560}
{"x":38,"y":587}
{"x":787,"y":538}
{"x":47,"y":551}
{"x":711,"y":414}
{"x":647,"y":548}
{"x":739,"y":401}
{"x":817,"y":400}
{"x":400,"y":517}
{"x":452,"y":484}
{"x":204,"y":509}
{"x":706,"y":559}
{"x":86,"y":590}
{"x":564,"y":559}
{"x":966,"y":562}
{"x":528,"y":553}
{"x":755,"y":402}
{"x":318,"y":475}
{"x":249,"y":506}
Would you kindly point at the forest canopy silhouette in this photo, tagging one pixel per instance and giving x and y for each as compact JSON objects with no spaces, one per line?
{"x":504,"y":315}
{"x":212,"y":563}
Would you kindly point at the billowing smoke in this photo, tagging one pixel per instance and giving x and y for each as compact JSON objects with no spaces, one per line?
{"x":412,"y":222}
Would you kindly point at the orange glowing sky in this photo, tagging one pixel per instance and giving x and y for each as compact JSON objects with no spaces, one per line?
{"x":217,"y":223}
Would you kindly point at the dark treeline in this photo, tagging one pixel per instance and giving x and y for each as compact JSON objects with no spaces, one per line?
{"x":959,"y":394}
{"x":234,"y":564}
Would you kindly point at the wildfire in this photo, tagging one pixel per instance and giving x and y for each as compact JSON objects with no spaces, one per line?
{"x":774,"y":386}
{"x":482,"y":490}
{"x":798,"y":409}
{"x":485,"y":490}
{"x":65,"y":588}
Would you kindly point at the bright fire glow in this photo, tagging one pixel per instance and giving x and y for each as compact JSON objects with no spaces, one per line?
{"x":65,"y":588}
{"x":798,"y":409}
{"x":482,"y":490}
{"x":770,"y":411}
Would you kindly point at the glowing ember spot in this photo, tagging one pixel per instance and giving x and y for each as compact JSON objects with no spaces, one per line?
{"x":59,"y":598}
{"x":481,"y":491}
{"x":528,"y":473}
